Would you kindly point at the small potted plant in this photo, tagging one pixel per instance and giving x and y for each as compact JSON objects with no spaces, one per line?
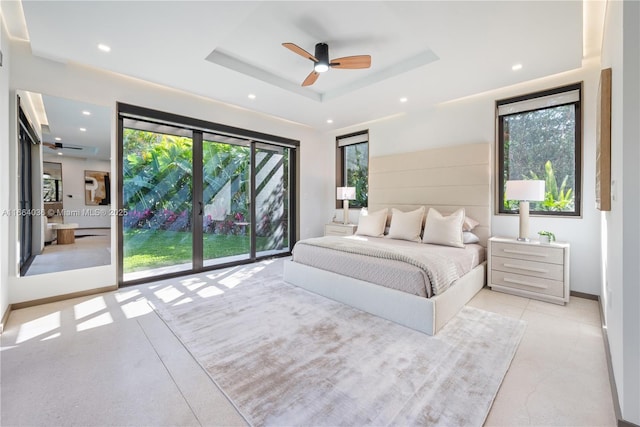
{"x":546,"y":236}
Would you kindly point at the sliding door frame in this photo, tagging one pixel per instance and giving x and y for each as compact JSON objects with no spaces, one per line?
{"x":198,"y":127}
{"x":27,"y":139}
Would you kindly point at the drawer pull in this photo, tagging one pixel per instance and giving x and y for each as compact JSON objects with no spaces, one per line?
{"x":520,"y":267}
{"x":522,"y":282}
{"x":511,"y":251}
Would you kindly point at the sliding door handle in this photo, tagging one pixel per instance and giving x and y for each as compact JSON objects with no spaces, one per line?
{"x":200,"y":203}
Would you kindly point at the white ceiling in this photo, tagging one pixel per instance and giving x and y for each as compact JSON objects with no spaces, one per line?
{"x":65,"y":119}
{"x":427,"y":51}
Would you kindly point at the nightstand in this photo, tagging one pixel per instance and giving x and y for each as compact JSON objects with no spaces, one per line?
{"x":337,"y":229}
{"x":529,"y":269}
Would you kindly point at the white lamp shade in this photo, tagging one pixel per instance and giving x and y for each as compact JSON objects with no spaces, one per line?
{"x":346,"y":193}
{"x":530,"y":190}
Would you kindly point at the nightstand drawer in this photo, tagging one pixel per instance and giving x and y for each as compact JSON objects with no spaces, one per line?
{"x":339,"y":229}
{"x":537,"y":253}
{"x":528,"y":268}
{"x":528,"y":283}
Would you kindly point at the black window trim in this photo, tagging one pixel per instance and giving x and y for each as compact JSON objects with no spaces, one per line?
{"x":340,"y":159}
{"x":499,"y":205}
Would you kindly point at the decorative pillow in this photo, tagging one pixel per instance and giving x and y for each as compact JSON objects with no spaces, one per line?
{"x":406,"y":225}
{"x":372,"y":224}
{"x":469,"y":237}
{"x":444,"y":230}
{"x":469,"y":224}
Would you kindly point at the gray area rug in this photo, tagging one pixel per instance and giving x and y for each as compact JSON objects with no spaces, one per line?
{"x":288,"y":357}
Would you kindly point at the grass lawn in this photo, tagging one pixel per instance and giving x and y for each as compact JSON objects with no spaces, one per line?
{"x":147,"y":249}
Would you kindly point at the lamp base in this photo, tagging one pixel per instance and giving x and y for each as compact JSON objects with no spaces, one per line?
{"x":523,"y":239}
{"x":345,"y":215}
{"x":523,"y":236}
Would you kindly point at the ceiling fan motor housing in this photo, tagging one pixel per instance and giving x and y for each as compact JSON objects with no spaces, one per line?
{"x":322,"y":55}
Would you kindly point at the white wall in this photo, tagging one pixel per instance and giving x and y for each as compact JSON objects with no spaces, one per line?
{"x":620,"y":229}
{"x":472,"y":120}
{"x":4,"y":168}
{"x":73,"y":197}
{"x":104,"y":88}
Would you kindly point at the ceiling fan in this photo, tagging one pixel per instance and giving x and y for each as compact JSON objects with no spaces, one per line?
{"x":60,"y":145}
{"x":322,"y":63}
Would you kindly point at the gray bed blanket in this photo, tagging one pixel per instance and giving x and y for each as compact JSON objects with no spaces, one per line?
{"x":442,"y":265}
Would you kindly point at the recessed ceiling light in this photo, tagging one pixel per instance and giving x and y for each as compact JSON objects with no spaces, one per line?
{"x":83,"y":129}
{"x":57,"y":138}
{"x":59,"y":154}
{"x":86,"y":113}
{"x":403,"y":99}
{"x":252,"y":96}
{"x":516,"y":67}
{"x":104,"y":47}
{"x":329,"y":121}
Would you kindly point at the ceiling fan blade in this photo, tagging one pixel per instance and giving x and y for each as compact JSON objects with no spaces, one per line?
{"x":300,"y":51}
{"x":352,"y":62}
{"x":70,"y":147}
{"x":50,"y":145}
{"x":311,"y":78}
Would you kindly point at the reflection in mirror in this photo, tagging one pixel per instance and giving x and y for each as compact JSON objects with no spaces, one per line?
{"x":76,"y":142}
{"x":51,"y":182}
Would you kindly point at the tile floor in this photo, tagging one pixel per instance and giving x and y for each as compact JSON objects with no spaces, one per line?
{"x":107,"y":359}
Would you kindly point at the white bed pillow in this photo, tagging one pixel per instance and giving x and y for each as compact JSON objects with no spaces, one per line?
{"x":469,"y":237}
{"x":372,"y":224}
{"x":469,"y":224}
{"x":406,"y":225}
{"x":444,"y":230}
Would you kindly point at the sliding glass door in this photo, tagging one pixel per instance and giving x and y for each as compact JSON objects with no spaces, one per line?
{"x":272,"y":199}
{"x":195,"y":199}
{"x":158,"y":199}
{"x":226,"y":197}
{"x":26,"y":140}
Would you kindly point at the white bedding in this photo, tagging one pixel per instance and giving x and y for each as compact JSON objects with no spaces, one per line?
{"x":420,"y":269}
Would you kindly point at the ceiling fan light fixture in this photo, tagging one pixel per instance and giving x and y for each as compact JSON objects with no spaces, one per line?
{"x":320,"y":67}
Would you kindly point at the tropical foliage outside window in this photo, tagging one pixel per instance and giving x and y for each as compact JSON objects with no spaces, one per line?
{"x":542,"y":144}
{"x":158,"y":199}
{"x":354,"y":171}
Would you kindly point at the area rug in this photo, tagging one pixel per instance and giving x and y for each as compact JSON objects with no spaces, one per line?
{"x":288,"y":357}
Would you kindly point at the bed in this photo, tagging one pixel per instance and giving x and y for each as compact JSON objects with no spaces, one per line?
{"x":445,"y":179}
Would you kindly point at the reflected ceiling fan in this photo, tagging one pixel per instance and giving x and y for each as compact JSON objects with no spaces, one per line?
{"x":60,"y":146}
{"x":322,"y":63}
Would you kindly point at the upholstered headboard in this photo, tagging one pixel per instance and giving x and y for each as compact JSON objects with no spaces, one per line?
{"x":445,"y":178}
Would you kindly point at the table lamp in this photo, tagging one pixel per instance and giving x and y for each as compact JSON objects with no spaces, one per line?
{"x":525,"y":191}
{"x":345,"y":194}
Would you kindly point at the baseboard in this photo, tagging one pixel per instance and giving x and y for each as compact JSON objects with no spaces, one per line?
{"x":5,"y":318}
{"x":584,"y":295}
{"x":56,"y":298}
{"x":612,"y":380}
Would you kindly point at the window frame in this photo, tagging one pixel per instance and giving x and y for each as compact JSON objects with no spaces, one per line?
{"x":499,"y":169}
{"x":340,"y":161}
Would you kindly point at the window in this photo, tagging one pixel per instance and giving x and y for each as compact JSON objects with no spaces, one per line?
{"x":539,"y":137}
{"x":352,"y":166}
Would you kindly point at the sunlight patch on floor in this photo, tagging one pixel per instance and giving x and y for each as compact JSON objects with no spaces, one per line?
{"x":39,"y":326}
{"x":209,"y":291}
{"x":168,"y":294}
{"x":89,"y":307}
{"x":125,"y":295}
{"x":136,"y":308}
{"x":101,"y":320}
